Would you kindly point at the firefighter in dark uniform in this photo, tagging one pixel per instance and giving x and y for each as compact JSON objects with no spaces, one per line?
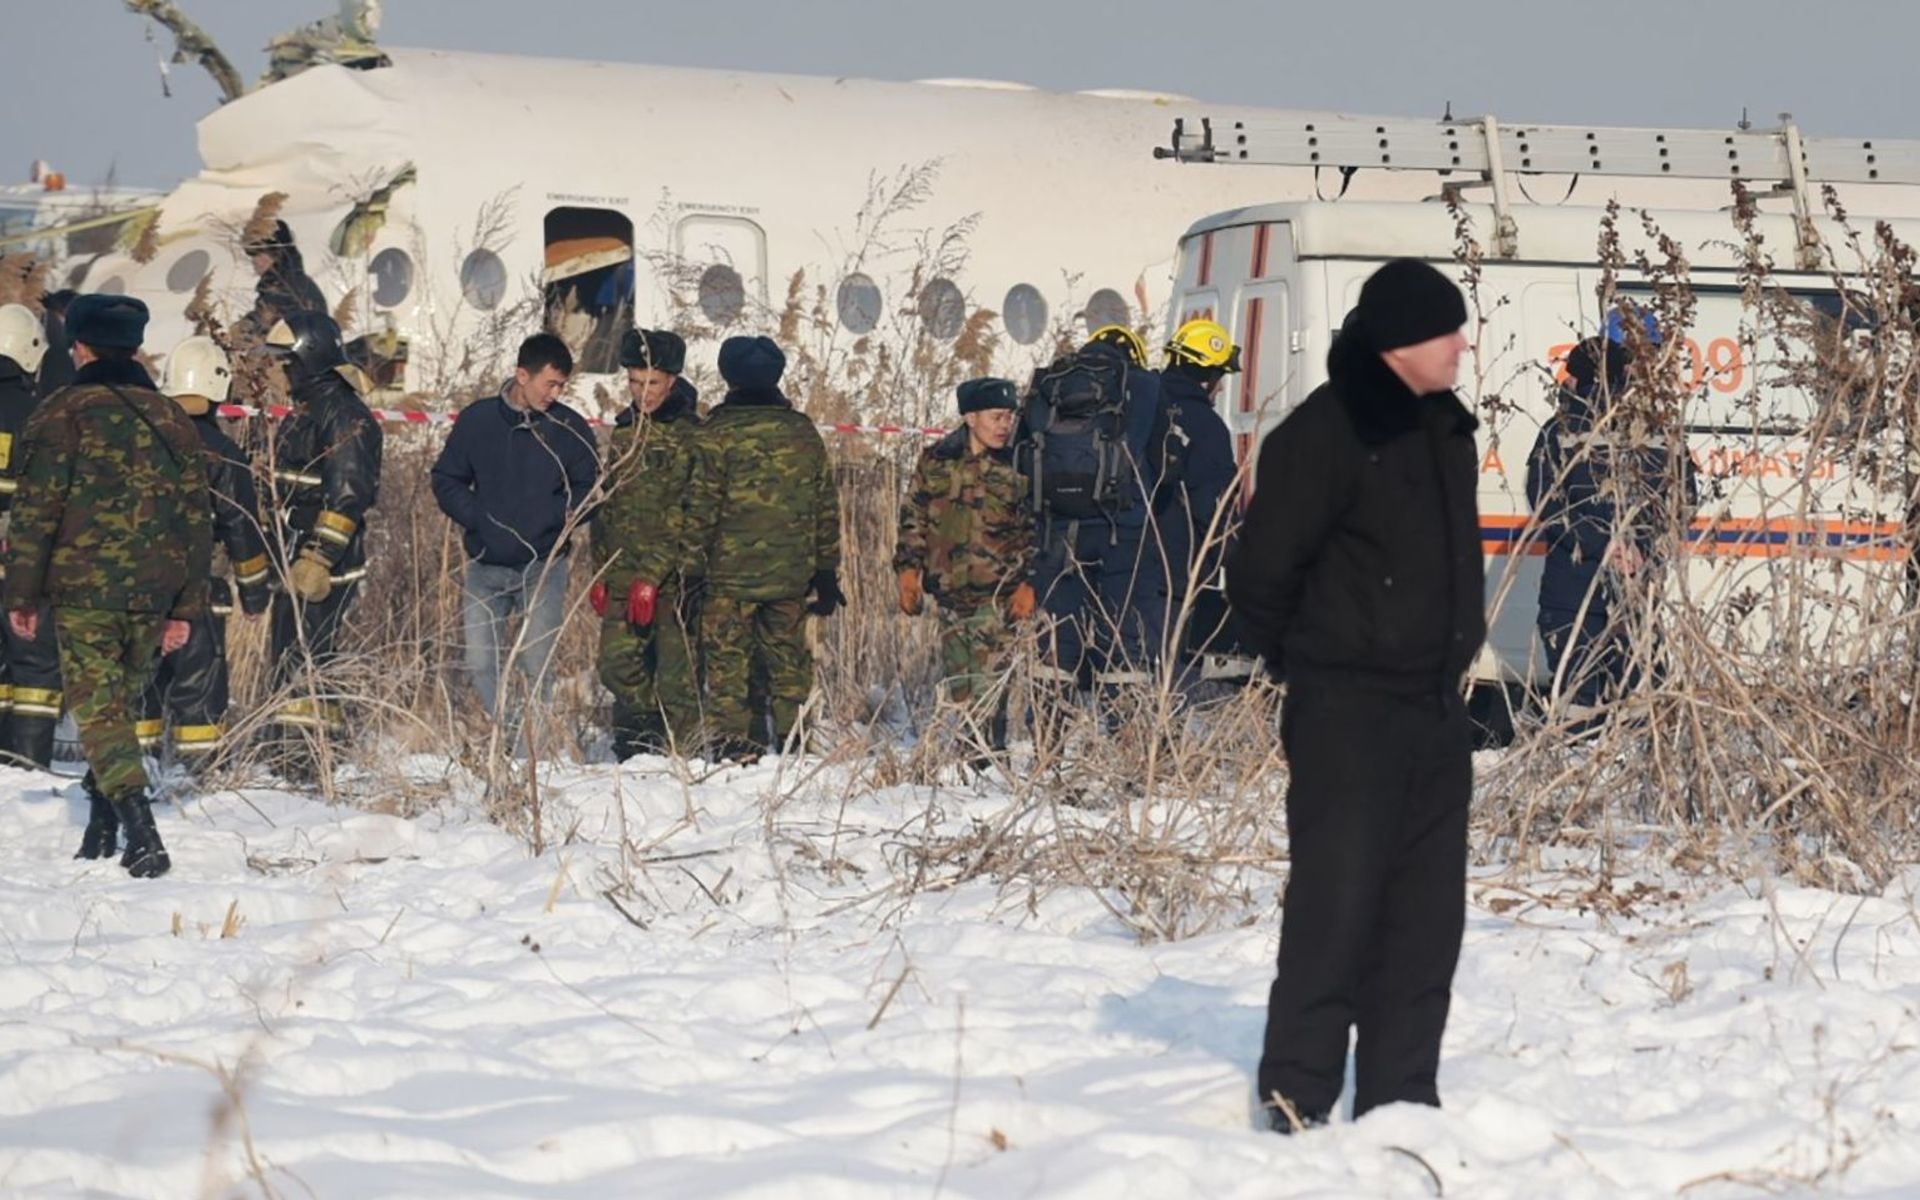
{"x":189,"y":688}
{"x":325,"y":479}
{"x":30,"y":693}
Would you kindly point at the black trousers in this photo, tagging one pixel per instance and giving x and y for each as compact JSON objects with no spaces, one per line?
{"x":33,"y":693}
{"x":1376,"y":899}
{"x":303,"y":640}
{"x":188,"y":692}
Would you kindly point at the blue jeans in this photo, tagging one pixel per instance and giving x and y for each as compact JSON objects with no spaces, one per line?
{"x":494,"y":595}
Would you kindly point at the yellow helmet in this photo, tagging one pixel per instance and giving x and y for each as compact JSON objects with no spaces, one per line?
{"x":1126,"y":339}
{"x":1204,"y":343}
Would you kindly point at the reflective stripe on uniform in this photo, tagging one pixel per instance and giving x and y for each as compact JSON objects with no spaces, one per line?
{"x":149,"y":732}
{"x":1122,"y":677}
{"x":335,"y":527}
{"x":299,"y":477}
{"x":6,"y":696}
{"x":314,"y":714}
{"x":36,"y":702}
{"x":252,"y":571}
{"x":196,"y":739}
{"x":350,"y":576}
{"x":8,"y":485}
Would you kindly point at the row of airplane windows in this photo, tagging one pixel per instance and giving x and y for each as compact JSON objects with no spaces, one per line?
{"x":722,"y":295}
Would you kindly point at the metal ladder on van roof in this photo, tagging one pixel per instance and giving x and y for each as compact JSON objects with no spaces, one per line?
{"x":1778,"y":161}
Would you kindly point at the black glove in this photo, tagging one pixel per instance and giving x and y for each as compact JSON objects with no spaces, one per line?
{"x":254,"y":598}
{"x":825,"y":586}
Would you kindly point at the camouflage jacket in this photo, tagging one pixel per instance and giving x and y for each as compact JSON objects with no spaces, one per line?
{"x":326,"y":475}
{"x":764,"y":507}
{"x":643,"y":530}
{"x":966,"y":524}
{"x":112,"y":509}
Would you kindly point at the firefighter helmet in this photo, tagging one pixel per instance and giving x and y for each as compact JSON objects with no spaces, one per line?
{"x":310,"y":339}
{"x":22,"y":338}
{"x":198,"y":367}
{"x":1126,"y":339}
{"x":1204,"y":343}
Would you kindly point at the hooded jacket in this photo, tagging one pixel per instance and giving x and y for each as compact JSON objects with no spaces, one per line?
{"x":1359,"y":563}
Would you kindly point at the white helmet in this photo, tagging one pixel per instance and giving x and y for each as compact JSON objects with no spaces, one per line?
{"x":22,"y":338}
{"x":198,"y":367}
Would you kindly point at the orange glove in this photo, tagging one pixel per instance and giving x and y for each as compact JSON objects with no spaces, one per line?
{"x":912,"y":592}
{"x":1022,"y":603}
{"x":597,"y":597}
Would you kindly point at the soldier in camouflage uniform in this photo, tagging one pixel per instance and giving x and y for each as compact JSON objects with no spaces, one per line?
{"x":967,"y":540}
{"x":767,"y":515}
{"x":643,"y":548}
{"x":111,"y":526}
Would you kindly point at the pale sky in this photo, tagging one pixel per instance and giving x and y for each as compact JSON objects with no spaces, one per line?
{"x":82,"y":89}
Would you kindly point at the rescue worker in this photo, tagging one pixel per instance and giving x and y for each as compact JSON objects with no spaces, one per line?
{"x":516,"y":475}
{"x":1193,"y":491}
{"x":285,"y":288}
{"x":30,"y":695}
{"x":1603,"y":507}
{"x":766,"y":512}
{"x":647,"y":555}
{"x":110,"y":526}
{"x":1086,"y":446}
{"x":187,"y":695}
{"x":325,"y":463}
{"x":1358,"y":578}
{"x":967,"y":540}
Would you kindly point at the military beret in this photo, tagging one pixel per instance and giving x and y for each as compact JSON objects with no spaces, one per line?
{"x":978,"y":395}
{"x":751,"y":362}
{"x":109,"y":322}
{"x":656,"y":348}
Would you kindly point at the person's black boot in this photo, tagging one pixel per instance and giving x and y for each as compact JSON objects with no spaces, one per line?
{"x":102,"y":836}
{"x":145,"y":856}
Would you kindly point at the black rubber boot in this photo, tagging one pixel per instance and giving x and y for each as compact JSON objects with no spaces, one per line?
{"x":145,"y":856}
{"x":102,"y":836}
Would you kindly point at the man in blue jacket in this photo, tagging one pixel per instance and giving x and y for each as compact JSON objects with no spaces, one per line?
{"x":516,"y":476}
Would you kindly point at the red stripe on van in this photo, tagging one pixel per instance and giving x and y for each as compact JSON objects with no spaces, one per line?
{"x":1250,"y":358}
{"x":1262,"y":234}
{"x":1206,"y":259}
{"x":1242,"y":451}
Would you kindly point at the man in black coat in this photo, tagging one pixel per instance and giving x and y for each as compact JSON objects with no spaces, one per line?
{"x":1358,"y":578}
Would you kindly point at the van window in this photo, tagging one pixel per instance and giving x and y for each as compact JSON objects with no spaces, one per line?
{"x":588,"y":283}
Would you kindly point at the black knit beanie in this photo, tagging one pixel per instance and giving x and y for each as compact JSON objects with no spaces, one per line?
{"x":1407,"y":302}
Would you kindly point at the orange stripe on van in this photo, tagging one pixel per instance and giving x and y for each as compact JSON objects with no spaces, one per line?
{"x":1206,"y":259}
{"x":1746,"y":537}
{"x":1262,"y":235}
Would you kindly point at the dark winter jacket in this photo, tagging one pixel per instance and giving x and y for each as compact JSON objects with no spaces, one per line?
{"x":1196,"y":471}
{"x":326,"y":473}
{"x":285,"y":289}
{"x":1576,"y":478}
{"x":17,"y":401}
{"x":236,"y":512}
{"x":513,"y":479}
{"x":1359,"y":562}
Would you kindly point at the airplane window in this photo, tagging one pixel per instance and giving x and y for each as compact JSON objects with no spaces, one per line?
{"x":188,"y":270}
{"x":859,"y":302}
{"x":483,"y":280}
{"x":1107,"y":307}
{"x":114,"y":286}
{"x":943,"y":310}
{"x":392,"y":272}
{"x":1025,"y":313}
{"x":722,"y":294}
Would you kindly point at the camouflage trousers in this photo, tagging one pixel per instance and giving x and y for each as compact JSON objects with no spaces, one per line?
{"x":106,"y":659}
{"x":653,"y":674}
{"x":749,"y":642}
{"x":973,"y":652}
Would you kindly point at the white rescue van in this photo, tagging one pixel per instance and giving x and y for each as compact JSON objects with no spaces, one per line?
{"x":1282,"y":277}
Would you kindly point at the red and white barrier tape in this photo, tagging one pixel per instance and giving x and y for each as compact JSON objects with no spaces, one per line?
{"x":396,"y":416}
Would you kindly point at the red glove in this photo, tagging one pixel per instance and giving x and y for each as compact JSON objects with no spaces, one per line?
{"x":597,"y":596}
{"x":640,"y":600}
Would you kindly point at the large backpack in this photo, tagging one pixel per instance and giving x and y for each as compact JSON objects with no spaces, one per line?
{"x":1074,"y":446}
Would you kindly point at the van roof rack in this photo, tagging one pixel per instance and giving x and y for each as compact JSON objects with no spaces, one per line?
{"x":1780,"y":161}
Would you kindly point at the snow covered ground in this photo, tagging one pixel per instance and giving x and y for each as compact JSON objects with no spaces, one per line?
{"x":330,"y":1002}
